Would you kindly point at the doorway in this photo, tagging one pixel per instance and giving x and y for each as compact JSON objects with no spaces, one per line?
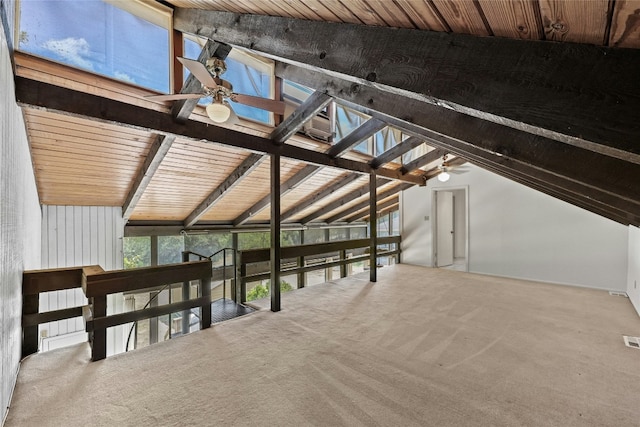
{"x":450,"y":228}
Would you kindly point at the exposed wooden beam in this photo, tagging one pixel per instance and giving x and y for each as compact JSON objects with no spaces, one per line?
{"x":307,"y":110}
{"x":361,"y":191}
{"x":285,"y":187}
{"x":245,"y":168}
{"x":34,"y":94}
{"x":362,"y":205}
{"x":319,"y":195}
{"x":537,"y":87}
{"x":396,"y":151}
{"x":359,"y":134}
{"x":157,"y":152}
{"x":425,"y":159}
{"x":542,"y":161}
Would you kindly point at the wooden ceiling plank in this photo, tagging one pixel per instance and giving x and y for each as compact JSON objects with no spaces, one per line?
{"x":381,"y":208}
{"x":423,"y":14}
{"x":285,"y":187}
{"x":462,"y":16}
{"x":320,"y":8}
{"x":362,"y":205}
{"x":320,"y":195}
{"x":157,"y":152}
{"x":336,"y":204}
{"x":34,"y":94}
{"x":245,"y":168}
{"x":456,"y":71}
{"x":517,"y":19}
{"x":625,"y":24}
{"x":359,"y":134}
{"x":391,"y":14}
{"x":574,"y":21}
{"x":294,"y":122}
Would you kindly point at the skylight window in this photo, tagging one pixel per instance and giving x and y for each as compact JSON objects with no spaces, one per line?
{"x":126,"y":40}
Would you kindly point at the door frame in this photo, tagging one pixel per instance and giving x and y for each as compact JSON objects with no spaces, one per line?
{"x":434,"y":221}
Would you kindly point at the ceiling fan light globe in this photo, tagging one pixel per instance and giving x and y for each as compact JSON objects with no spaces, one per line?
{"x":218,"y":113}
{"x":443,"y":177}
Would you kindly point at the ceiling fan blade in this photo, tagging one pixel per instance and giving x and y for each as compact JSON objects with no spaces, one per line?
{"x":262,"y":103}
{"x":176,"y":96}
{"x":199,"y":71}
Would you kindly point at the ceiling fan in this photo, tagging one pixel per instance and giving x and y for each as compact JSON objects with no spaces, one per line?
{"x":446,"y":169}
{"x":220,"y":90}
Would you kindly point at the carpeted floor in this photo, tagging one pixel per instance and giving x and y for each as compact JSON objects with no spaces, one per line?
{"x":421,"y":347}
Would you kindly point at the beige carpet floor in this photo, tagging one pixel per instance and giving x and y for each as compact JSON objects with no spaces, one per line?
{"x":421,"y":347}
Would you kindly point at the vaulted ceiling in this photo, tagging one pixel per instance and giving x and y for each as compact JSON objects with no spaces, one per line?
{"x":545,"y":93}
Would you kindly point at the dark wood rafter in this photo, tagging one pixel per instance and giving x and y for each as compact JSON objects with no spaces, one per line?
{"x":336,"y":204}
{"x":572,"y":174}
{"x":396,"y":151}
{"x":381,"y":207}
{"x":157,"y":152}
{"x":594,"y":111}
{"x":423,"y":160}
{"x":35,"y":94}
{"x":182,"y":109}
{"x":319,"y":195}
{"x":307,"y":110}
{"x":285,"y":187}
{"x":245,"y":168}
{"x":359,"y":134}
{"x":362,"y":205}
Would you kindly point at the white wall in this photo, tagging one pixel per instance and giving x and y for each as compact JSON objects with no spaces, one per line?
{"x":515,"y":231}
{"x":633,"y":276}
{"x":76,"y":236}
{"x":19,"y":224}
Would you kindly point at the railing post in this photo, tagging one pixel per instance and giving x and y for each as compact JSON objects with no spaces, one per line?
{"x":343,"y":266}
{"x":301,"y":276}
{"x":99,"y":336}
{"x":30,"y":305}
{"x":205,"y":314}
{"x":186,"y":294}
{"x":224,"y":273}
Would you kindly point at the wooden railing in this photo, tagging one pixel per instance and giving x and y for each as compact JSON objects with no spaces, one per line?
{"x":97,"y":284}
{"x":253,"y":256}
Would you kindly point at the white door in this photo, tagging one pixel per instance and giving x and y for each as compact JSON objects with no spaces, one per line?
{"x":444,"y":228}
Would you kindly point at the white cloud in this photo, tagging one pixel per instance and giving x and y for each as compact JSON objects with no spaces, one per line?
{"x":73,"y":50}
{"x":124,"y":77}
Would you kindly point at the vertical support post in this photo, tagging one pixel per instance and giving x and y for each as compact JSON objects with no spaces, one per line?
{"x":186,"y":294}
{"x":224,"y":273}
{"x":301,"y":276}
{"x":275,"y":232}
{"x":205,"y":310}
{"x":30,"y":305}
{"x":153,"y":322}
{"x":178,"y":50}
{"x":373,"y":228}
{"x":343,"y":266}
{"x":99,"y":339}
{"x":235,"y":285}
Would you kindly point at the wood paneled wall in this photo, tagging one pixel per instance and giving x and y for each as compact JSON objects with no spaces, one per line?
{"x":75,"y":236}
{"x":19,"y":222}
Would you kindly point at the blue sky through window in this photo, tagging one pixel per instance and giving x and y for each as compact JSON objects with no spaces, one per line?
{"x":98,"y":37}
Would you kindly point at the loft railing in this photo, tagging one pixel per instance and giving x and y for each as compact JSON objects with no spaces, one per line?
{"x":252,"y":264}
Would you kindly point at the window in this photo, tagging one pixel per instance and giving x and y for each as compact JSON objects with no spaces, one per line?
{"x":129,"y":41}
